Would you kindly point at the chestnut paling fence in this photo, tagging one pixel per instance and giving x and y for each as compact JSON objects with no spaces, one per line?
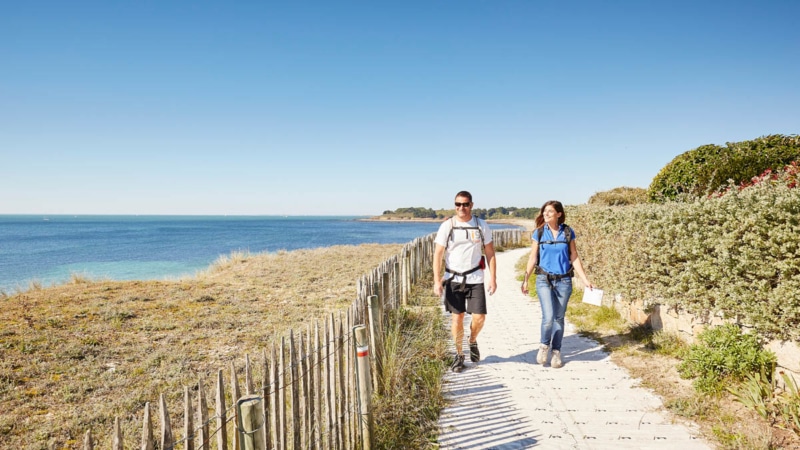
{"x":309,"y":391}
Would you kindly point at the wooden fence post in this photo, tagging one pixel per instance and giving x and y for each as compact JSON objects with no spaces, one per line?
{"x":167,"y":441}
{"x":308,"y":369}
{"x":235,"y":395}
{"x":249,"y":410}
{"x":364,"y":388}
{"x":340,"y":406}
{"x":282,"y":395}
{"x":404,"y":279}
{"x":147,"y":429}
{"x":202,"y":414}
{"x":376,"y":334}
{"x":188,"y":419}
{"x":248,"y":375}
{"x":88,"y":442}
{"x":318,"y":382}
{"x":222,"y":431}
{"x":276,"y":398}
{"x":294,"y":396}
{"x":265,"y":392}
{"x":116,"y":443}
{"x":332,"y":412}
{"x":386,"y":298}
{"x":303,"y":389}
{"x":396,"y":284}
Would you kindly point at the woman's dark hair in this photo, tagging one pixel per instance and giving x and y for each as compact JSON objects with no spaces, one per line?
{"x":557,"y":206}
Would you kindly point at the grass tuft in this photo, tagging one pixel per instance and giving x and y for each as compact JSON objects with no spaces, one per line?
{"x":407,"y":410}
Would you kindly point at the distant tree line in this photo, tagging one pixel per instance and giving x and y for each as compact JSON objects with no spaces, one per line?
{"x":501,"y":212}
{"x":416,"y":213}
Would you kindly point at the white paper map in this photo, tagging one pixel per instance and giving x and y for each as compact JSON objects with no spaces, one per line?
{"x":593,"y":296}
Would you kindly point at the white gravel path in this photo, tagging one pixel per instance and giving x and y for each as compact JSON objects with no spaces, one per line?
{"x":508,"y":401}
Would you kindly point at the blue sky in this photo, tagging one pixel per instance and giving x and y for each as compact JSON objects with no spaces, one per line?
{"x":162,"y":107}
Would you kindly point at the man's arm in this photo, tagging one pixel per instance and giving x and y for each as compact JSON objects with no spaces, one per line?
{"x":438,"y":254}
{"x":491,"y":285}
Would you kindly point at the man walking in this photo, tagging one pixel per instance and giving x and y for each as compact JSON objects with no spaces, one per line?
{"x":463,"y":241}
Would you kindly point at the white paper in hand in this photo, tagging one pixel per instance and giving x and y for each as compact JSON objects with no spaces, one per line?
{"x":593,"y":296}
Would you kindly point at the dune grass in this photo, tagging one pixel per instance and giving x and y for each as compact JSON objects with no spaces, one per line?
{"x":74,"y":356}
{"x":410,"y":400}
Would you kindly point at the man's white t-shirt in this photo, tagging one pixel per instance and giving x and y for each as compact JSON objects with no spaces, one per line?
{"x":464,"y":249}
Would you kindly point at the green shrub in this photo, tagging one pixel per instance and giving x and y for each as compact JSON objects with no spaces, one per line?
{"x":709,"y":168}
{"x":736,"y":256}
{"x":619,"y":196}
{"x":724,"y":354}
{"x":764,"y":394}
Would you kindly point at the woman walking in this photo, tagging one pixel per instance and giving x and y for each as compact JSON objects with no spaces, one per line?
{"x":554,"y":258}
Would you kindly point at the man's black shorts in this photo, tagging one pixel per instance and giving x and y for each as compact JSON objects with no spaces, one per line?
{"x":472,"y":299}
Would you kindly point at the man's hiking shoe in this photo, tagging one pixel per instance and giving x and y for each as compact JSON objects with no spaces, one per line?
{"x":458,"y":363}
{"x":555,"y":362}
{"x":541,"y":358}
{"x":474,"y":353}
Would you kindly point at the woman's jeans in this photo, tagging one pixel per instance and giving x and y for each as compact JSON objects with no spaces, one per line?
{"x":553,"y":296}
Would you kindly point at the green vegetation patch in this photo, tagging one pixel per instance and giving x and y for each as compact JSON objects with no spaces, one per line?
{"x":723,"y":354}
{"x":709,"y":168}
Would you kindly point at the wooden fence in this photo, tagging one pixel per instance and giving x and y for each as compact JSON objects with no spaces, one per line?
{"x":303,"y":392}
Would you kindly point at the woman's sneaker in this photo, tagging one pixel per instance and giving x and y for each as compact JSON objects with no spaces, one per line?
{"x":458,"y":363}
{"x":541,"y":358}
{"x":474,"y":353}
{"x":556,"y":361}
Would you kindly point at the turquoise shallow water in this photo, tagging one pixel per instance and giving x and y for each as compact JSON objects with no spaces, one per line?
{"x":48,"y":249}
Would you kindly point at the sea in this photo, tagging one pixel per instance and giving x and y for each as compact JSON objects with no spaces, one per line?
{"x":49,"y":249}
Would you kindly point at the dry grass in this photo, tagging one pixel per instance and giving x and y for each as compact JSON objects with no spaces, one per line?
{"x":74,"y":356}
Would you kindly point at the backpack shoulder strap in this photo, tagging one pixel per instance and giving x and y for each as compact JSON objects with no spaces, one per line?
{"x":477,"y":227}
{"x":450,"y":235}
{"x":480,"y":232}
{"x":567,"y":233}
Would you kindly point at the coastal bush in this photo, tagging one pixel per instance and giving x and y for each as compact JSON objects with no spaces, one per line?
{"x":724,"y":354}
{"x":788,"y":176}
{"x":709,"y":168}
{"x":736,"y":257}
{"x":619,"y":196}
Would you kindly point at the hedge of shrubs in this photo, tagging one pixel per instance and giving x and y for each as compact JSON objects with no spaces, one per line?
{"x":736,"y":255}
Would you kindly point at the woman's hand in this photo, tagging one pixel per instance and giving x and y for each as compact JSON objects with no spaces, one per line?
{"x":524,"y":287}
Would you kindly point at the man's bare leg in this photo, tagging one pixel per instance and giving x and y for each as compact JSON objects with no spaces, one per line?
{"x":476,"y":326}
{"x":457,"y":328}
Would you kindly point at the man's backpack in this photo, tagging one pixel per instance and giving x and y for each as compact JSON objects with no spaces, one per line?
{"x":466,"y":230}
{"x":482,"y":264}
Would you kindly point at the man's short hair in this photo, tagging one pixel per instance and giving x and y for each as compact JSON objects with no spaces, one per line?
{"x":465,"y":194}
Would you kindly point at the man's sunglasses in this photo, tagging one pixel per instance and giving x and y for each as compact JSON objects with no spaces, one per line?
{"x":465,"y":204}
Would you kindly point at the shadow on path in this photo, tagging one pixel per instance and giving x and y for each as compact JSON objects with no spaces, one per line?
{"x":508,"y":401}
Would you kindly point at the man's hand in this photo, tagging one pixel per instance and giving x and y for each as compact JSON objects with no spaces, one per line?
{"x":438,"y":288}
{"x":492,"y":286}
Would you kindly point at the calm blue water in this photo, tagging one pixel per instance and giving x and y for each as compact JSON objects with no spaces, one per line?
{"x":49,"y":249}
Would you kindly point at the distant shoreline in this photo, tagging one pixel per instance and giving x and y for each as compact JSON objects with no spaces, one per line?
{"x":527,"y":224}
{"x":386,"y":219}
